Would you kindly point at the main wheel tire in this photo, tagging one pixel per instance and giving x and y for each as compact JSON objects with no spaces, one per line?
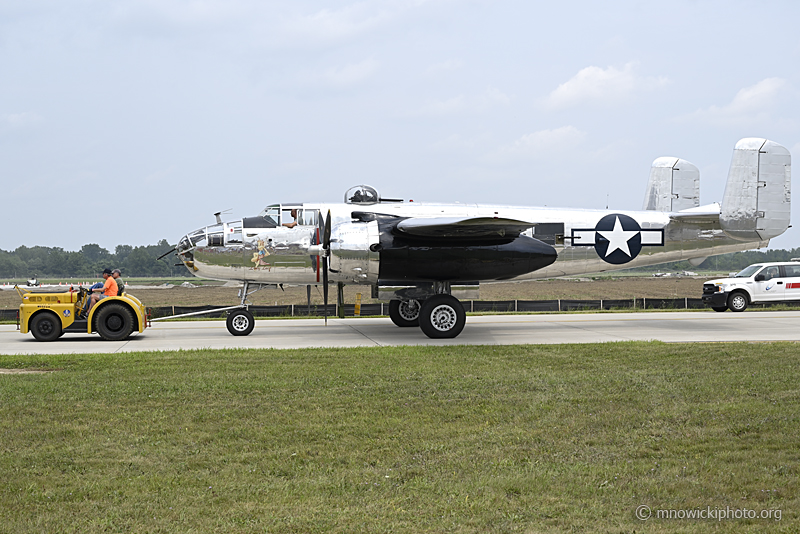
{"x":404,"y":313}
{"x":737,"y":301}
{"x":442,"y":316}
{"x":719,"y":308}
{"x":240,"y":322}
{"x":45,"y":326}
{"x":114,"y":322}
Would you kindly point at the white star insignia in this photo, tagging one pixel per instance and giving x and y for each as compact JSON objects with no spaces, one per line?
{"x":618,"y":238}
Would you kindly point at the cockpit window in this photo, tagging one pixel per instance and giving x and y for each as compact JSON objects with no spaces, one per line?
{"x":361,"y":194}
{"x":271,"y":214}
{"x":308,"y":217}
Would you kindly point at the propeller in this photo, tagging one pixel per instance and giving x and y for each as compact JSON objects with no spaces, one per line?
{"x":167,"y":253}
{"x":326,"y":247}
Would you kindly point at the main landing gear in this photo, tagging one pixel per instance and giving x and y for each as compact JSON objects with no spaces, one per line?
{"x":439,"y":317}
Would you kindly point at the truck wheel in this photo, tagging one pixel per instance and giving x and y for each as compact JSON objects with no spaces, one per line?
{"x":240,"y":322}
{"x":719,"y":308}
{"x":442,"y":316}
{"x":114,"y":322}
{"x":404,"y":313}
{"x":737,"y":301}
{"x":45,"y":326}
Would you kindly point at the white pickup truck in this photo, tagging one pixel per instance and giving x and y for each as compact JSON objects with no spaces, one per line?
{"x":762,"y":282}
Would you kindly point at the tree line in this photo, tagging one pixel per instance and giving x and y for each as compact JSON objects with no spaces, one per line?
{"x":89,"y":261}
{"x":142,"y":261}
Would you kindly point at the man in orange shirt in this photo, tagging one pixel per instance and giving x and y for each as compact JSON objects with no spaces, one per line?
{"x":109,"y":289}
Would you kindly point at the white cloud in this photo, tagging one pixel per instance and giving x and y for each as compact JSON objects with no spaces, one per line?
{"x":490,"y":98}
{"x":605,"y":86}
{"x":22,"y":120}
{"x":751,"y":103}
{"x":542,"y":143}
{"x":336,"y":24}
{"x":350,"y":74}
{"x":460,"y":143}
{"x":444,"y":66}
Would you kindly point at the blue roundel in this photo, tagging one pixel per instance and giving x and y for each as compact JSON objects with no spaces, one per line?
{"x":617,"y":239}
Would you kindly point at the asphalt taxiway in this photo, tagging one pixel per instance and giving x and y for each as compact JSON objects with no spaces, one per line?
{"x":756,"y":326}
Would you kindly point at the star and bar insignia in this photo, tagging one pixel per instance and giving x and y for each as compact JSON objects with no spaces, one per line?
{"x":617,"y":238}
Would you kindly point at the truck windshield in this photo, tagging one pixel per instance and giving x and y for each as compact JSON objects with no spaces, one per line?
{"x":748,"y":271}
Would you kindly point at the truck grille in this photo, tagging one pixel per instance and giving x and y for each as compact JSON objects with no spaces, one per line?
{"x":709,"y":289}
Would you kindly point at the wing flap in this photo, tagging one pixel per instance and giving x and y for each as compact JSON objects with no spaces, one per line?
{"x":443,"y":227}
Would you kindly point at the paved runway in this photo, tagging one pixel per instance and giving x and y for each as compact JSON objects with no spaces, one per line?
{"x":489,"y":330}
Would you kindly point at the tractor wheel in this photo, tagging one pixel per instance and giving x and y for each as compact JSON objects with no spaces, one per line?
{"x":114,"y":322}
{"x":45,"y":326}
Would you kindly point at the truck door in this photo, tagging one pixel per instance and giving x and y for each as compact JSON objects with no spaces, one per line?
{"x":769,"y":284}
{"x":792,"y":278}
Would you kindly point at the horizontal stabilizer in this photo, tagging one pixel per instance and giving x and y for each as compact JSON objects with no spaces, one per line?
{"x":462,"y":227}
{"x":674,"y":185}
{"x":757,"y":200}
{"x":700,"y":214}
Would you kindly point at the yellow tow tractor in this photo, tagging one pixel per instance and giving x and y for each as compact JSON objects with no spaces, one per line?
{"x":50,"y":314}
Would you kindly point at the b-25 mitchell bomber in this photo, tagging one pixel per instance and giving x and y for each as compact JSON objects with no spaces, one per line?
{"x":416,"y":255}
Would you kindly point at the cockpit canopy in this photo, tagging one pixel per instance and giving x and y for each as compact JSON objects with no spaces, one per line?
{"x":362,"y":194}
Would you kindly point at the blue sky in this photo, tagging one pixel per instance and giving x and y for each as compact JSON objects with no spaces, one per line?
{"x":152,"y":115}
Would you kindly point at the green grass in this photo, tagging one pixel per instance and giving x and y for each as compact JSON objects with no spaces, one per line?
{"x":426,"y":439}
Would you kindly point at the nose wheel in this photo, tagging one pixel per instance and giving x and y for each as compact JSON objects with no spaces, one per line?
{"x":240,"y":322}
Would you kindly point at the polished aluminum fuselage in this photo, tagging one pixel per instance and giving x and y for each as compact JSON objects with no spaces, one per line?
{"x":282,"y":255}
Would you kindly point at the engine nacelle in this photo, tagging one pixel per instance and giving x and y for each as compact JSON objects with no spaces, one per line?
{"x":353,"y":253}
{"x":404,"y":258}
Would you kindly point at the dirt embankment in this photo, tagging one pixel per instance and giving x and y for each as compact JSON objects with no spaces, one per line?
{"x":620,"y":288}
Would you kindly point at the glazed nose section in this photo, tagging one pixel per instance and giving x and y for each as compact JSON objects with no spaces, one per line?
{"x":216,"y":235}
{"x":191,"y":240}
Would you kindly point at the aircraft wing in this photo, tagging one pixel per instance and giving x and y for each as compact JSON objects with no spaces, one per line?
{"x":462,"y":227}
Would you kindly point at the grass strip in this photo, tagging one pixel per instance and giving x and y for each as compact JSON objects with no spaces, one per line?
{"x":401,"y":439}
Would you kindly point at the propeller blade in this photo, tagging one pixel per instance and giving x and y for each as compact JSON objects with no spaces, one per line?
{"x":166,"y":253}
{"x":326,"y":245}
{"x":326,"y":241}
{"x":325,"y":286}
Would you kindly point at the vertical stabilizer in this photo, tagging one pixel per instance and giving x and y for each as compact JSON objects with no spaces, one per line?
{"x":757,"y":201}
{"x":674,"y":185}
